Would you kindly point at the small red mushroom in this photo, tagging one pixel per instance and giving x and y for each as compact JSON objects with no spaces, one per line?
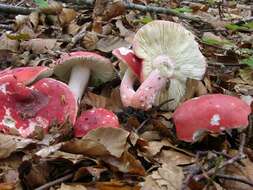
{"x":94,"y":118}
{"x":23,"y":109}
{"x":213,"y":113}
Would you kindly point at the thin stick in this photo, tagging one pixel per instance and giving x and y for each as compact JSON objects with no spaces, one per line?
{"x":235,"y":178}
{"x":10,"y":9}
{"x":55,"y":182}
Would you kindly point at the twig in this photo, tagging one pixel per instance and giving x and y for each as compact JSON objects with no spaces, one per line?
{"x":57,"y":181}
{"x":6,"y":27}
{"x":235,"y":178}
{"x":134,"y":6}
{"x":10,"y":9}
{"x":236,"y":158}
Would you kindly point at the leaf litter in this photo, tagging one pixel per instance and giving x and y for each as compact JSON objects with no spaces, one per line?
{"x":145,"y":153}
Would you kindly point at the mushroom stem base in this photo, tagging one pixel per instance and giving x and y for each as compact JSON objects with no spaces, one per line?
{"x":78,"y":80}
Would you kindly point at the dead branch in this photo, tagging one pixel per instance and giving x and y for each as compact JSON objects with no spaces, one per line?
{"x":235,"y":178}
{"x":10,"y":9}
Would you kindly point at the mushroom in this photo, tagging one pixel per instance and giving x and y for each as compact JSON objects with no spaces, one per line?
{"x":28,"y":75}
{"x":213,"y":113}
{"x":94,"y":118}
{"x":24,"y":109}
{"x":128,"y":59}
{"x":169,"y":56}
{"x":77,"y":67}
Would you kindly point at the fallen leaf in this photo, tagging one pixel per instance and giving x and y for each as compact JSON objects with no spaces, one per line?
{"x":8,"y":44}
{"x":113,"y":139}
{"x":110,"y":43}
{"x":71,"y":187}
{"x":10,"y":144}
{"x":127,"y":163}
{"x":7,"y":186}
{"x":67,"y":15}
{"x":167,"y":177}
{"x":39,"y":45}
{"x":116,"y":185}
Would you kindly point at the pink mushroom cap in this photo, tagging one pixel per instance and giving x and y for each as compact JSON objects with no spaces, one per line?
{"x":28,"y":75}
{"x":94,"y":118}
{"x":213,"y":113}
{"x":43,"y":104}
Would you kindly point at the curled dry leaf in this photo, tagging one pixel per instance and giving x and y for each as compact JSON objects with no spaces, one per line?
{"x":90,"y":41}
{"x":113,"y":139}
{"x":39,"y":45}
{"x":10,"y":144}
{"x":100,"y":142}
{"x":7,"y":186}
{"x":127,"y":163}
{"x":167,"y":177}
{"x":45,"y":152}
{"x":67,"y":15}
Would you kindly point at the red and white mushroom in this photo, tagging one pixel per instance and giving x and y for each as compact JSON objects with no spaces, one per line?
{"x":169,"y":55}
{"x":23,"y":109}
{"x":79,"y":67}
{"x":94,"y":118}
{"x":213,"y":113}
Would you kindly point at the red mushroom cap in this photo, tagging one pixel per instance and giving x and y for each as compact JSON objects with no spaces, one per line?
{"x":46,"y":102}
{"x":214,"y":113}
{"x":28,"y":75}
{"x":128,"y":57}
{"x":94,"y":118}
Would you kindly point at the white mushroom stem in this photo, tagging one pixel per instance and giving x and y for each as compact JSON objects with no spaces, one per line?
{"x":145,"y":96}
{"x":78,"y":81}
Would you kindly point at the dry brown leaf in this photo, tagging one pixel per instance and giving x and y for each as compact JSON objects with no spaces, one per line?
{"x":10,"y":144}
{"x":7,"y":186}
{"x":113,"y":139}
{"x":39,"y":45}
{"x":115,"y":185}
{"x":127,"y":163}
{"x":73,"y":28}
{"x":167,"y":177}
{"x":95,"y":100}
{"x":124,"y":32}
{"x":71,"y":187}
{"x":85,"y":147}
{"x":8,"y":44}
{"x":247,"y":75}
{"x":90,"y":41}
{"x":110,"y":43}
{"x":45,"y":152}
{"x":175,"y":157}
{"x":67,"y":15}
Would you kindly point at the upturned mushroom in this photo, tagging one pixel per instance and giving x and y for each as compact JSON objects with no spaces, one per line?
{"x":170,"y":55}
{"x":212,"y":113}
{"x":24,"y":109}
{"x":94,"y":118}
{"x":79,"y":67}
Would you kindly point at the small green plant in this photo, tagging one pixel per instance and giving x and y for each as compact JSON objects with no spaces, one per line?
{"x":248,"y":61}
{"x":211,"y":41}
{"x":144,"y":20}
{"x":183,"y":10}
{"x":235,"y":27}
{"x":41,"y":3}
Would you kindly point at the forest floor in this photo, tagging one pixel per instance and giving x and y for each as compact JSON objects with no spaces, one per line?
{"x":145,"y":153}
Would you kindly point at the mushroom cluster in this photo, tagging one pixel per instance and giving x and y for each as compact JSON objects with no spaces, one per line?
{"x":164,"y":56}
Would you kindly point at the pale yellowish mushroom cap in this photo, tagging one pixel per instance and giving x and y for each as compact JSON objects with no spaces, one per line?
{"x":172,"y":49}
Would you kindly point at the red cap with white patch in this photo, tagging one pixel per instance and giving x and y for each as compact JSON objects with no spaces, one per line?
{"x":43,"y":104}
{"x":214,"y":113}
{"x":94,"y":118}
